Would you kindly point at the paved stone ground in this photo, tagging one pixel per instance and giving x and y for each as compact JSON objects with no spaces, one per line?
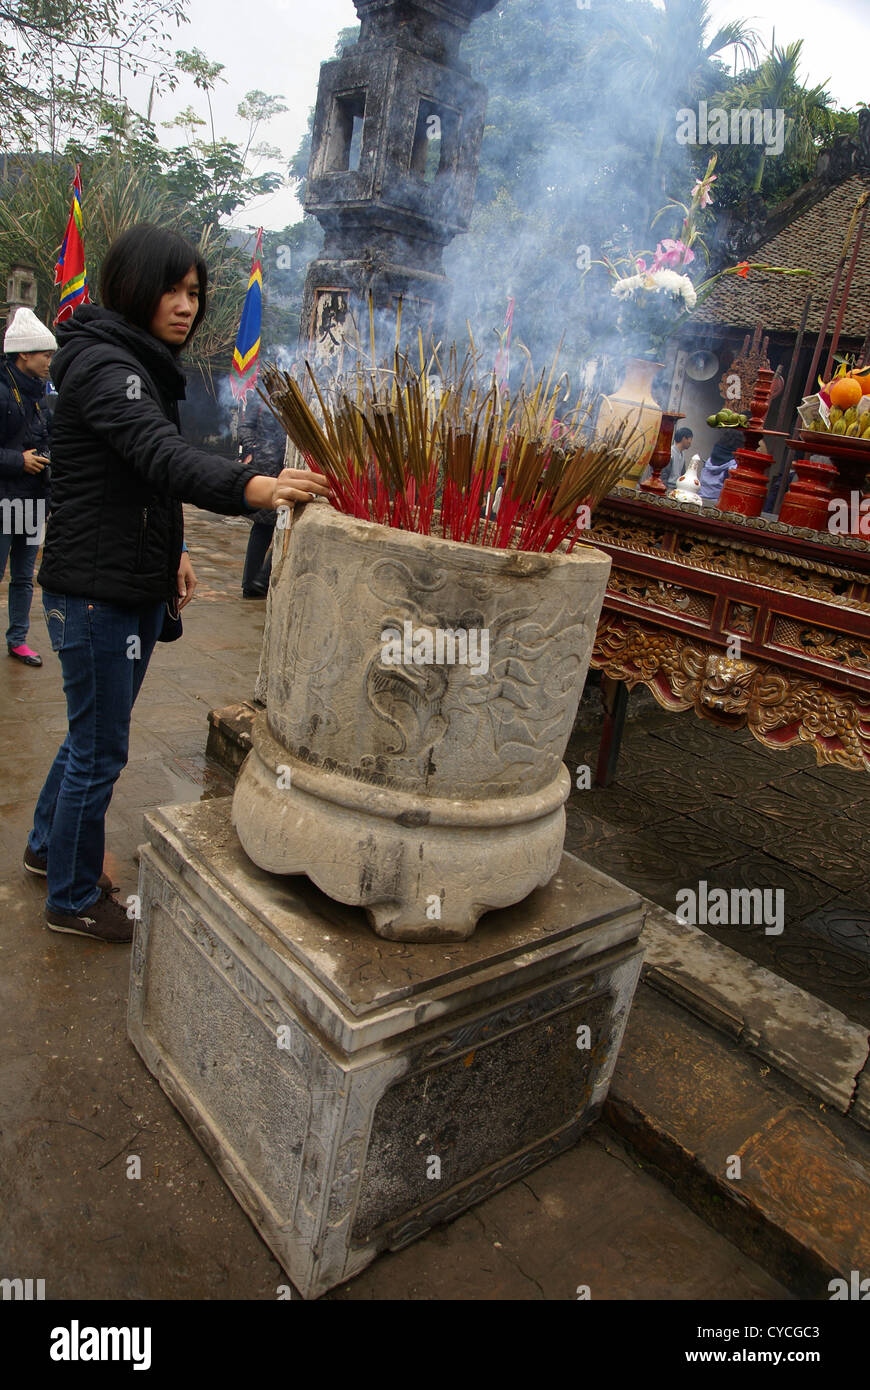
{"x":75,"y":1100}
{"x":693,"y":802}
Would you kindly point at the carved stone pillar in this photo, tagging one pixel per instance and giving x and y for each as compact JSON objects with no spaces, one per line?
{"x":397,"y":133}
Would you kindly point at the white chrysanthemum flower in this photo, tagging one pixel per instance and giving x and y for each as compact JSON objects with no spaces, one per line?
{"x":627,"y":285}
{"x":680,"y":286}
{"x":687,"y":292}
{"x":668,"y":280}
{"x":656,"y":281}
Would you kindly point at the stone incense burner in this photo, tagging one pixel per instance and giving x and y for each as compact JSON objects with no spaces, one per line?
{"x":400,"y":770}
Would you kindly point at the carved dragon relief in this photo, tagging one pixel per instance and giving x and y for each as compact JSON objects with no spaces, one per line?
{"x":521,"y":703}
{"x":778,"y":709}
{"x":517,"y":709}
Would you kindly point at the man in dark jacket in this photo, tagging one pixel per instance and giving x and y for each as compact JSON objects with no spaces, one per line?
{"x":262,"y":440}
{"x":25,"y":428}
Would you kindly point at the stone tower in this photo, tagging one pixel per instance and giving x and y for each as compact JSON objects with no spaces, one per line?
{"x":396,"y":142}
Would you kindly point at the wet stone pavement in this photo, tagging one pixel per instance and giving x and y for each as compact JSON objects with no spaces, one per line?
{"x":692,"y":802}
{"x":76,"y":1102}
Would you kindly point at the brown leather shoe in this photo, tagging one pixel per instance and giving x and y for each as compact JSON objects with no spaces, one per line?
{"x":105,"y":920}
{"x":37,"y":864}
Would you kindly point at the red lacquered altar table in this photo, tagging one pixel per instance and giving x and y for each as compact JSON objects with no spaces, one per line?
{"x":747,"y":622}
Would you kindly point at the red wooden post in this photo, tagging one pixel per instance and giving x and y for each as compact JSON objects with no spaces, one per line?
{"x":661,"y":455}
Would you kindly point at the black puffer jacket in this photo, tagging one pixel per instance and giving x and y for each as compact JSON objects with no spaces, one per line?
{"x":120,"y":469}
{"x":22,"y":426}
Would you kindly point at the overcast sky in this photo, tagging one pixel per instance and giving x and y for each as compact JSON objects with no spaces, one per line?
{"x":278,"y":46}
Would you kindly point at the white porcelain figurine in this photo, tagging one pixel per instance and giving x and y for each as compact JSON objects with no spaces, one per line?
{"x":688,"y":487}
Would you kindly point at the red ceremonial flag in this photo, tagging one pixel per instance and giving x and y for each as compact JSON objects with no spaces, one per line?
{"x":70,"y":272}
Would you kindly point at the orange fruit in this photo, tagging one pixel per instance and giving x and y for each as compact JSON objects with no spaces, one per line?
{"x":862,"y":376}
{"x":845,"y":391}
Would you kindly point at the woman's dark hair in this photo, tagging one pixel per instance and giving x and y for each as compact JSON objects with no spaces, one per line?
{"x":725,"y":447}
{"x":684,"y":433}
{"x":141,"y":265}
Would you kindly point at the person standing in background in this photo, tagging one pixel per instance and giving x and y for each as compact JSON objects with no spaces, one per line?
{"x":677,"y":466}
{"x":719,"y":465}
{"x":262,"y":442}
{"x":25,"y":429}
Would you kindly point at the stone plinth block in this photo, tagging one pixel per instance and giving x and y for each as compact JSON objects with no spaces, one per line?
{"x":420,"y":694}
{"x":355,"y":1092}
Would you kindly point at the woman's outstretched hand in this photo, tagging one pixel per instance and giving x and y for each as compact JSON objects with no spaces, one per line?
{"x":291,"y":485}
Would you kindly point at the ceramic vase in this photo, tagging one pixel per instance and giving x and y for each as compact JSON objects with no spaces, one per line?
{"x":633,"y":401}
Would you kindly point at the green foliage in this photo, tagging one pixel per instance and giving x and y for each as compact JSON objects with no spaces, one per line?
{"x":63,"y":63}
{"x":212,"y":176}
{"x":810,"y":123}
{"x":128,"y":175}
{"x":117,"y":194}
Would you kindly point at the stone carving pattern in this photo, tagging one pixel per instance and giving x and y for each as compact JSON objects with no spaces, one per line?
{"x":522,"y":709}
{"x":320,"y":1076}
{"x":350,"y":1158}
{"x":139,"y":952}
{"x":232,"y":1175}
{"x":525,"y":703}
{"x":497,"y":1177}
{"x":492,"y":1025}
{"x":519,"y":713}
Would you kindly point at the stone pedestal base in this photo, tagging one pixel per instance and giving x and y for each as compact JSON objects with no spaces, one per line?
{"x":353,"y":1091}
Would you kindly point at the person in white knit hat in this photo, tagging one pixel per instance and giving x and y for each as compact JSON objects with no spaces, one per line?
{"x":25,"y":429}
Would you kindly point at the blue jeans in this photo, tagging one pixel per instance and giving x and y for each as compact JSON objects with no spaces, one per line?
{"x":104,"y":652}
{"x":21,"y":567}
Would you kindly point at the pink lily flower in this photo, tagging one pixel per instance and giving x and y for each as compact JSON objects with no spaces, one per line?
{"x":670,"y":253}
{"x":701,"y":191}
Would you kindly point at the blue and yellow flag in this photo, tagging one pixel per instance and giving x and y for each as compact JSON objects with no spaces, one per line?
{"x":246,"y":354}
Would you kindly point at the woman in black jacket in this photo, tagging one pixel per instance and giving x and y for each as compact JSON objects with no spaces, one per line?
{"x":113,"y":557}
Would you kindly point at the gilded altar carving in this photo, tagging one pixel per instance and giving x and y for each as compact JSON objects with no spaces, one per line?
{"x":660,"y":594}
{"x":839,"y":647}
{"x":734,"y":559}
{"x":742,"y":618}
{"x":778,"y":708}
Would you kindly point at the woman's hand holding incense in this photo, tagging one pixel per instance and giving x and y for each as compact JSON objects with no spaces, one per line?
{"x":291,"y":485}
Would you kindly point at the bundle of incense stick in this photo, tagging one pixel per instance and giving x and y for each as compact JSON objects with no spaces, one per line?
{"x":425,"y":448}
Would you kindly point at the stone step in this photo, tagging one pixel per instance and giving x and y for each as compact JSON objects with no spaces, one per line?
{"x":784,"y":1177}
{"x":229,"y":734}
